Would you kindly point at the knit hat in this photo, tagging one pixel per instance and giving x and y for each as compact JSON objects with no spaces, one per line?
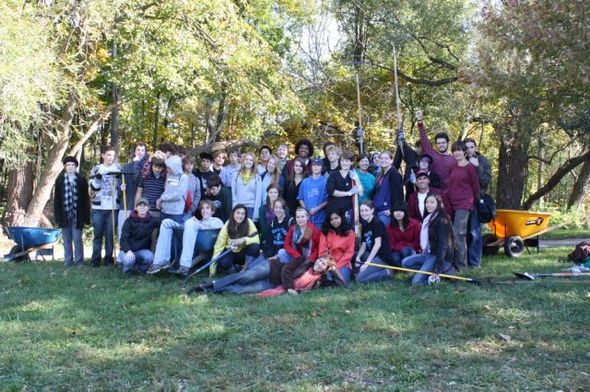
{"x":70,"y":159}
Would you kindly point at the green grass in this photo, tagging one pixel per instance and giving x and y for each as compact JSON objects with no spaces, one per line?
{"x":94,"y":329}
{"x":567,"y":233}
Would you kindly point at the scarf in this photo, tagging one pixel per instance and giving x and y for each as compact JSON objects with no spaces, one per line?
{"x":424,"y":240}
{"x":297,"y":240}
{"x":70,"y":196}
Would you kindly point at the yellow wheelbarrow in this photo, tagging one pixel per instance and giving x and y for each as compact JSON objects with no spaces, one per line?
{"x":515,"y":230}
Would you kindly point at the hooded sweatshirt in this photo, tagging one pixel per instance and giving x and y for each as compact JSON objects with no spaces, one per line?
{"x":173,"y":198}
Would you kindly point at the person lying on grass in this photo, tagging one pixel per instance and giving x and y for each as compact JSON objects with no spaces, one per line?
{"x":311,"y":275}
{"x":437,"y":241}
{"x":260,"y":274}
{"x":375,"y":247}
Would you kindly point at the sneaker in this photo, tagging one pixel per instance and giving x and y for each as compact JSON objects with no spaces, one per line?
{"x":183,"y":271}
{"x":155,"y":268}
{"x":201,"y":288}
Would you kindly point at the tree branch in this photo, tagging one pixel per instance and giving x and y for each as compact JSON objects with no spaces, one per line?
{"x":567,"y":166}
{"x":93,"y":128}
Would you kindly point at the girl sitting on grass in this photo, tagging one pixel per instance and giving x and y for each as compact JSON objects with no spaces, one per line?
{"x":436,"y":240}
{"x":375,"y":247}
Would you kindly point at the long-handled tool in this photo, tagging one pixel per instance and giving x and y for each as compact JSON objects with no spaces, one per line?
{"x":400,"y":134}
{"x":470,"y":280}
{"x":214,"y":260}
{"x":206,"y":265}
{"x":533,"y":276}
{"x":113,"y":221}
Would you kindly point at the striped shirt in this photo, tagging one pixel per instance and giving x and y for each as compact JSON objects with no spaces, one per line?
{"x":152,"y":188}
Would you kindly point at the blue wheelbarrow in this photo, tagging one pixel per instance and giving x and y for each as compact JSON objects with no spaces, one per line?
{"x":29,"y":239}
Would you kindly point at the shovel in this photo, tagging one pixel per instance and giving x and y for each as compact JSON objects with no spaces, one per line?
{"x":469,"y":280}
{"x":533,"y":276}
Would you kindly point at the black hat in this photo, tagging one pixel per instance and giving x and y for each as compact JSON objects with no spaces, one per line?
{"x":425,"y":156}
{"x":70,"y":159}
{"x":399,"y":206}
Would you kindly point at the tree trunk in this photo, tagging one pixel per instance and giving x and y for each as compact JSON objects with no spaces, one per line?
{"x":18,"y":195}
{"x":567,"y":166}
{"x":512,"y":173}
{"x":581,"y":186}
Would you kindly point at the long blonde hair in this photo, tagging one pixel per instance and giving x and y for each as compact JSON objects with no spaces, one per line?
{"x":244,"y":171}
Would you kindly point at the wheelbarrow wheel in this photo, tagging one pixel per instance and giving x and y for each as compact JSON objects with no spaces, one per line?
{"x":487,"y":249}
{"x":16,"y":250}
{"x":514,"y":246}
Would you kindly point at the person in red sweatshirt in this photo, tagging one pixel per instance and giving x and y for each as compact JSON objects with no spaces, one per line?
{"x":404,"y":234}
{"x":441,"y":159}
{"x":463,"y":190}
{"x":337,"y":240}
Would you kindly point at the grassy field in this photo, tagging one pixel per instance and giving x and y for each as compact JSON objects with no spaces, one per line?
{"x":94,"y":329}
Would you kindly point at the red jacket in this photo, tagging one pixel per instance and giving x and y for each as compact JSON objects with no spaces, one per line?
{"x":315,"y":243}
{"x":340,"y":248}
{"x":414,"y":210}
{"x":409,"y":237}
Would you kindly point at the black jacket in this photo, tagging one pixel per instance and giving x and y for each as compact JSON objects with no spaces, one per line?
{"x":441,"y":239}
{"x":83,"y":207}
{"x":137,"y":232}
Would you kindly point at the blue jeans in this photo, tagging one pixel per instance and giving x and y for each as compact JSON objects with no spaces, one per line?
{"x":72,"y":236}
{"x":425,"y":262}
{"x":344,"y":271}
{"x":284,"y":256}
{"x":386,"y":219}
{"x":102,"y":223}
{"x":252,"y":280}
{"x":374,"y":274}
{"x":474,"y":241}
{"x":402,"y":254}
{"x":164,"y":248}
{"x":247,"y":254}
{"x":143,"y":260}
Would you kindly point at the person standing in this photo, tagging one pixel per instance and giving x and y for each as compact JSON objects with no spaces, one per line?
{"x":105,"y":183}
{"x":484,"y":172}
{"x":388,"y":188}
{"x":313,"y":194}
{"x":441,"y":159}
{"x":71,"y":208}
{"x":463,"y":191}
{"x":131,"y":175}
{"x":342,"y":185}
{"x":244,"y":186}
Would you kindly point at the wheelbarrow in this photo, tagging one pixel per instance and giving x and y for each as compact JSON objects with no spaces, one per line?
{"x":29,"y":239}
{"x":515,"y":230}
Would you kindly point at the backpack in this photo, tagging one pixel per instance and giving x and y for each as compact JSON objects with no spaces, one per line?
{"x":486,"y":208}
{"x":581,"y":253}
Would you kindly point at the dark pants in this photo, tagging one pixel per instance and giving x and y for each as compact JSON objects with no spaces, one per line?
{"x":474,"y":240}
{"x":248,"y":253}
{"x":102,"y":223}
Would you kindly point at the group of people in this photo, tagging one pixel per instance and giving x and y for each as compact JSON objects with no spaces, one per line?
{"x":285,"y":224}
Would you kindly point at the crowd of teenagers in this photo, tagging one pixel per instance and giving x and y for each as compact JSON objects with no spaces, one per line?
{"x":286,"y":224}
